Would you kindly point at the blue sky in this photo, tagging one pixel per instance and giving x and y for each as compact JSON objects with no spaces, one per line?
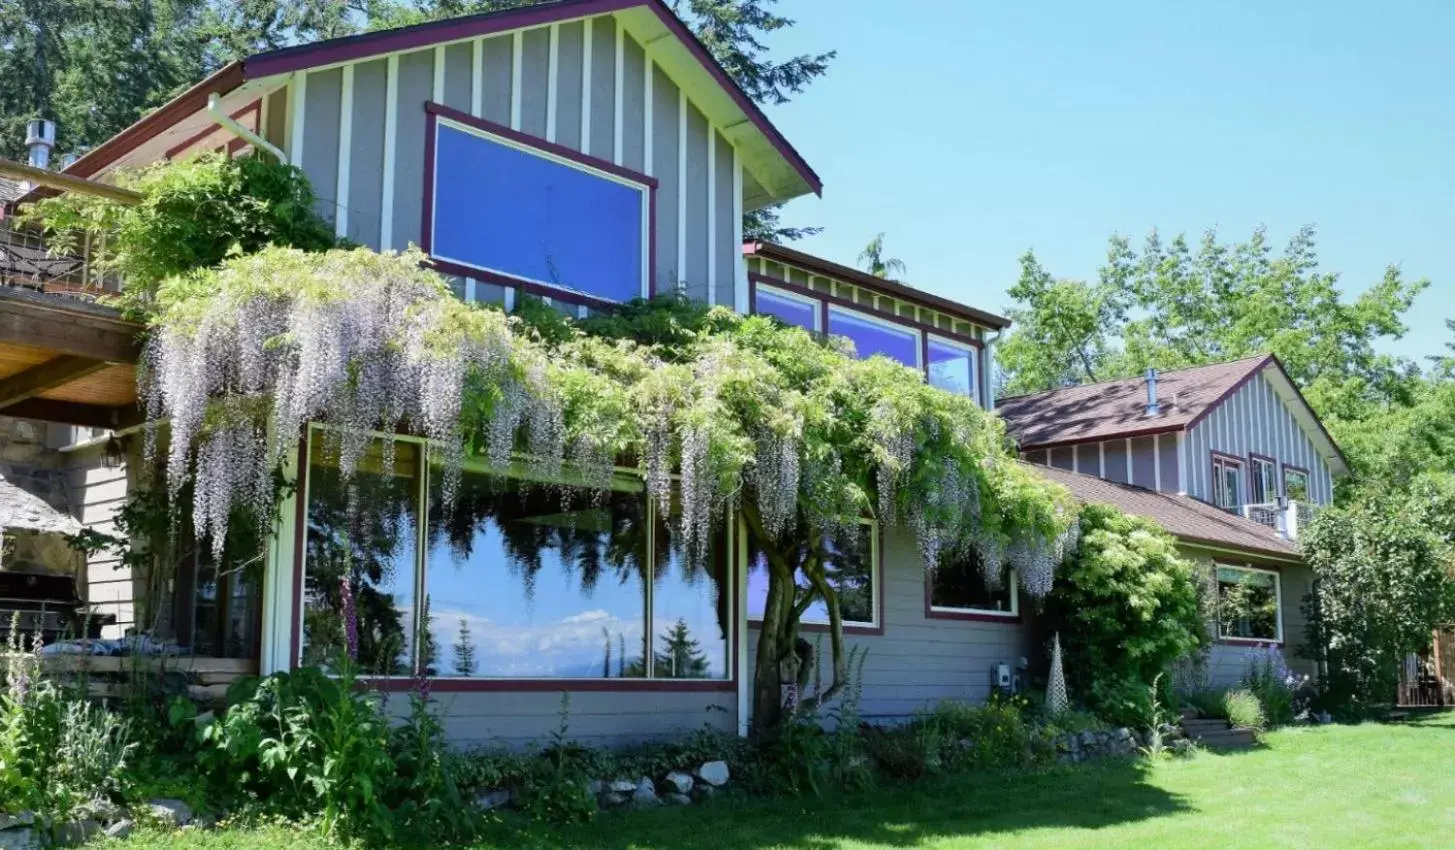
{"x":971,"y":131}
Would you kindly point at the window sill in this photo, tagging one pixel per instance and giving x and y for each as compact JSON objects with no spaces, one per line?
{"x":973,"y":615}
{"x":460,"y":686}
{"x":816,"y":628}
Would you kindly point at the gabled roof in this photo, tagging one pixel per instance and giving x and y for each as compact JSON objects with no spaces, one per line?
{"x":1117,"y":409}
{"x":780,"y":169}
{"x":892,"y":288}
{"x":1185,"y":518}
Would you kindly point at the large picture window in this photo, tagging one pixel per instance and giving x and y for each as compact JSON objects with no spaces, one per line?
{"x":1248,"y":604}
{"x":873,"y":336}
{"x":792,"y":309}
{"x":951,"y":366}
{"x":515,"y":579}
{"x":852,"y":568}
{"x":519,"y":210}
{"x":958,"y":589}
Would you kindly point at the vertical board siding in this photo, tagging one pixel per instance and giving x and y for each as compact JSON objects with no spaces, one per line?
{"x":1255,"y":420}
{"x":1144,"y":463}
{"x":1116,"y":461}
{"x":633,"y":99}
{"x":1061,"y":457}
{"x":276,"y":109}
{"x":695,"y":274}
{"x":495,"y":87}
{"x":322,"y":102}
{"x":729,"y":247}
{"x":366,"y":154}
{"x":416,"y":85}
{"x":918,"y":662}
{"x":1171,"y":475}
{"x":534,"y":80}
{"x":570,"y":53}
{"x":603,"y":87}
{"x":459,"y":75}
{"x":664,"y":167}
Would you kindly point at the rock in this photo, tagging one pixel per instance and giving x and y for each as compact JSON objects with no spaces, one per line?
{"x":102,"y":810}
{"x":170,"y":812}
{"x":679,"y":782}
{"x":20,"y":838}
{"x":714,"y":773}
{"x":120,"y":829}
{"x":1124,"y":734}
{"x":491,"y":800}
{"x":622,"y":786}
{"x":678,"y":800}
{"x":703,"y":791}
{"x":611,"y":799}
{"x":596,"y":786}
{"x":10,"y":821}
{"x":77,"y":831}
{"x":645,"y":794}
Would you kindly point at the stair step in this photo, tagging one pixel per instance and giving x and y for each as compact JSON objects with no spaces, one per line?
{"x":1227,"y":739}
{"x":1203,"y":725}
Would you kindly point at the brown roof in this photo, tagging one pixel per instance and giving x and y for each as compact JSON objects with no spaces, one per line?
{"x":10,"y":190}
{"x":1119,"y":408}
{"x":829,"y":268}
{"x":1183,"y":517}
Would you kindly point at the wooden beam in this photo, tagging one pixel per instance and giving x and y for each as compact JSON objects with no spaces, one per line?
{"x":68,"y":183}
{"x":66,"y":326}
{"x":53,"y":373}
{"x":75,"y":413}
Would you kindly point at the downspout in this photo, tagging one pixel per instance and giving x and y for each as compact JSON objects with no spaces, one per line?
{"x":214,"y":104}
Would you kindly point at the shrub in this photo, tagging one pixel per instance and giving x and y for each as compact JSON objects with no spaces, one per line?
{"x":1269,"y":679}
{"x":1243,"y":710}
{"x":1127,"y":606}
{"x":1208,"y":702}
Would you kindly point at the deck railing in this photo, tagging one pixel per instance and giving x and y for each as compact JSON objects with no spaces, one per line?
{"x":1286,"y":518}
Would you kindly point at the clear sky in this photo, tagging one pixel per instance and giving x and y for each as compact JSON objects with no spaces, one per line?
{"x":971,"y":131}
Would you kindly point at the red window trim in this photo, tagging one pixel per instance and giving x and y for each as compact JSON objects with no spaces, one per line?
{"x":395,"y":684}
{"x":433,"y":112}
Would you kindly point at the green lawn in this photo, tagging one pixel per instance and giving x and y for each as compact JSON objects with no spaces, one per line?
{"x":1332,"y":787}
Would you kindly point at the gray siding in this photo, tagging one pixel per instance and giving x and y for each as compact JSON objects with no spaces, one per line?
{"x":918,"y":662}
{"x":1144,"y":463}
{"x":1116,"y":461}
{"x":700,"y":208}
{"x":1167,"y":454}
{"x":513,"y":719}
{"x":96,"y":492}
{"x":1061,"y":458}
{"x":1254,"y":420}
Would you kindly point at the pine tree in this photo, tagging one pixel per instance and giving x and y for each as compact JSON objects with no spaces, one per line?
{"x":464,"y":648}
{"x":1056,"y":699}
{"x":681,"y":656}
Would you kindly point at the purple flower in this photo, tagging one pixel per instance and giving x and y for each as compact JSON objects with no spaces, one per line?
{"x":422,"y":686}
{"x":351,"y":619}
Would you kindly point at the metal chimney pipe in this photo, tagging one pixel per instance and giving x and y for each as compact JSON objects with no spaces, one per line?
{"x":1153,"y":408}
{"x":40,"y":137}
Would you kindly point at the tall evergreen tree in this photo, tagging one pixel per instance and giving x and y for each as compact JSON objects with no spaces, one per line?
{"x":681,"y":656}
{"x":464,"y":647}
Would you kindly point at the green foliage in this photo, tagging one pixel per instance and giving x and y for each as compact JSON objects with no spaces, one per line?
{"x":959,"y":737}
{"x":1208,"y":702}
{"x":195,"y":214}
{"x":1382,"y":583}
{"x":1127,"y":606}
{"x":1243,"y":710}
{"x":874,"y":262}
{"x":1268,"y":678}
{"x":1060,"y":335}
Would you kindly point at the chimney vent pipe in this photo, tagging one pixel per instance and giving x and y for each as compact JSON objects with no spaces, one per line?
{"x":1153,"y":408}
{"x":40,"y":138}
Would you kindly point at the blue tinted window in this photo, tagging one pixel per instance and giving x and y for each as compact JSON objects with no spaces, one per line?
{"x":952,"y":367}
{"x":871,"y":337}
{"x":502,"y":208}
{"x":794,"y":311}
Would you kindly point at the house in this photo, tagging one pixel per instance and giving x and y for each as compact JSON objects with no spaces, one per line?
{"x":1229,"y":458}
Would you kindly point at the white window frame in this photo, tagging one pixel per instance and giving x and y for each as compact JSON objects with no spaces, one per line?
{"x":1277,"y":599}
{"x":1219,"y":461}
{"x":893,"y":327}
{"x":1256,"y":479}
{"x":645,"y":190}
{"x":624,"y":479}
{"x":816,"y":304}
{"x":1014,"y":613}
{"x":937,"y":339}
{"x":875,"y":582}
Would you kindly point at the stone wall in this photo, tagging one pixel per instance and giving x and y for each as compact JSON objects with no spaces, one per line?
{"x":29,"y":461}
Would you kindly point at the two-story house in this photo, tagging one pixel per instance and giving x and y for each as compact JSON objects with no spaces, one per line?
{"x":1229,"y":458}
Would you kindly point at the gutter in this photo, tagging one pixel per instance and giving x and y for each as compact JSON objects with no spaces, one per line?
{"x":214,"y":108}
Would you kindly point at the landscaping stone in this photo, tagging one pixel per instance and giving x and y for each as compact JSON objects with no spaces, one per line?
{"x":679,"y":782}
{"x":678,"y":800}
{"x":595,"y":786}
{"x":645,"y":794}
{"x":491,"y":800}
{"x":121,"y":829}
{"x":20,"y":838}
{"x":10,"y":821}
{"x":77,"y":832}
{"x":714,"y":773}
{"x":622,"y":786}
{"x":170,"y":812}
{"x":612,"y":799}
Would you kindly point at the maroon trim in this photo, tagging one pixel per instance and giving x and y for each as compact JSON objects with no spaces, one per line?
{"x":894,"y":289}
{"x":299,"y":542}
{"x":224,"y":80}
{"x":1125,"y":435}
{"x":1225,"y":456}
{"x":755,"y":278}
{"x":431,"y":131}
{"x":504,"y":132}
{"x":255,"y":106}
{"x":652,"y":242}
{"x":237,"y":146}
{"x":395,"y":685}
{"x":1262,"y":457}
{"x":423,"y":35}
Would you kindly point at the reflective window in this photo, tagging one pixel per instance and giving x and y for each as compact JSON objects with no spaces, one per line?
{"x":1248,"y":604}
{"x":952,"y":366}
{"x":871,"y":336}
{"x":691,"y":612}
{"x":505,"y":207}
{"x":1264,"y":481}
{"x":363,"y":533}
{"x":1227,"y":483}
{"x":959,"y":586}
{"x":1295,"y":484}
{"x":851,"y":569}
{"x":791,"y":309}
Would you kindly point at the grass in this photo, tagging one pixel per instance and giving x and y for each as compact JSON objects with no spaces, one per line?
{"x":1366,"y":786}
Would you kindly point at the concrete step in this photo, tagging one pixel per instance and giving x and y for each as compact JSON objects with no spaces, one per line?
{"x":1227,"y":739}
{"x":1203,"y":725}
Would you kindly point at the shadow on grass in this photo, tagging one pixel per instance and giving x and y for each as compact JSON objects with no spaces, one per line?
{"x":1087,"y":797}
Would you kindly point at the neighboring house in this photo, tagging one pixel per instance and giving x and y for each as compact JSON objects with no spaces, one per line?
{"x":1229,"y":458}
